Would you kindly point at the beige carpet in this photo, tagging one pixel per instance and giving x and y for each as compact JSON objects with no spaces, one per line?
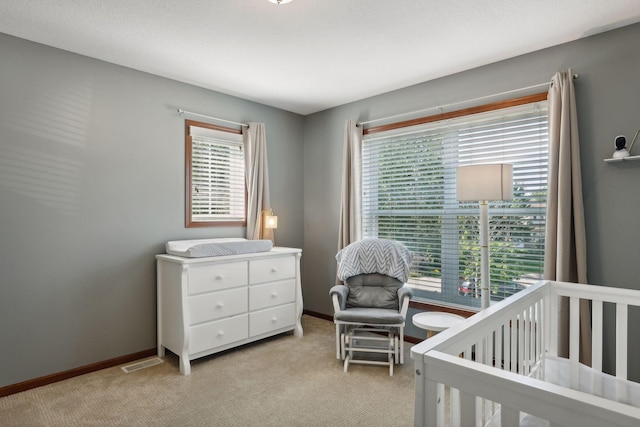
{"x":282,"y":381}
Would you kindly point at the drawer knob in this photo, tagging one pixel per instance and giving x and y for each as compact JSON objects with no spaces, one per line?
{"x":219,"y":277}
{"x":220,"y":305}
{"x":274,"y":294}
{"x":274,"y":319}
{"x":274,"y":270}
{"x":220,"y":333}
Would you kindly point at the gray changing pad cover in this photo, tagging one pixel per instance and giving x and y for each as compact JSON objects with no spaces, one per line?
{"x":216,"y":247}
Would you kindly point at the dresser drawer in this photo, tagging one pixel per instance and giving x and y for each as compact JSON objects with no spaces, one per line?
{"x":212,"y":277}
{"x":216,"y":305}
{"x":272,"y":294}
{"x":215,"y":334}
{"x":271,"y":319}
{"x":272,"y":269}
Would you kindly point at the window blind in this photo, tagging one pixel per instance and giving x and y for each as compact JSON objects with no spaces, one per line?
{"x":409,"y":195}
{"x":217,"y":175}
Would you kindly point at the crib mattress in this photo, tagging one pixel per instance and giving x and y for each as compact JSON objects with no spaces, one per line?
{"x":216,"y":247}
{"x":555,"y":370}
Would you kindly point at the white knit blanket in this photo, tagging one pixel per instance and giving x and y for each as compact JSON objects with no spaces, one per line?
{"x":374,"y":256}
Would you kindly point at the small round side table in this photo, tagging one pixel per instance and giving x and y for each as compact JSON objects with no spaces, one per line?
{"x":435,"y":321}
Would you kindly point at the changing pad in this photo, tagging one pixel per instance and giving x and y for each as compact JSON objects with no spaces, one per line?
{"x":216,"y":247}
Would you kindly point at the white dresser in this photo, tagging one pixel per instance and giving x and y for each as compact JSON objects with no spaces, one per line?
{"x":206,"y":305}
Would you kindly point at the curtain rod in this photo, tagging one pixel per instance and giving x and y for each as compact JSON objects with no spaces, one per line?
{"x":440,"y":107}
{"x":183,"y":112}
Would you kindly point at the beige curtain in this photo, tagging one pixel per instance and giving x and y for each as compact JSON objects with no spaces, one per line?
{"x":351,"y":195}
{"x":350,"y":229}
{"x":565,"y":240}
{"x":257,"y":179}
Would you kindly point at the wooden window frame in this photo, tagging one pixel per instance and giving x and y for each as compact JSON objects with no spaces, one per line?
{"x":189,"y":221}
{"x":445,"y":305}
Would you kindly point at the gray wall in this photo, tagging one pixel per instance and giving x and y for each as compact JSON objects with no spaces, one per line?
{"x":608,"y":101}
{"x":91,"y":187}
{"x":92,"y":176}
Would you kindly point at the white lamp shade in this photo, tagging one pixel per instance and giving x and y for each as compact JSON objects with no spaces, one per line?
{"x":271,"y":221}
{"x":484,"y":182}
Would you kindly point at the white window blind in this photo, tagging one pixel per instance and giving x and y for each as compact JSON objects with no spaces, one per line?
{"x":409,"y":195}
{"x":217,"y":176}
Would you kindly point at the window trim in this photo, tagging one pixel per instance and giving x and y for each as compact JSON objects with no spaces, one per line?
{"x":189,"y":221}
{"x":499,"y":105}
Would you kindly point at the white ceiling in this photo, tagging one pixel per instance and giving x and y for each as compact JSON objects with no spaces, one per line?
{"x":308,"y":55}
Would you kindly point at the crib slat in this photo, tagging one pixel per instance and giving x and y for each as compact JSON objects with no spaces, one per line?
{"x":551,"y":341}
{"x":622,"y":311}
{"x":534,"y":336}
{"x":621,"y":340}
{"x":491,"y":349}
{"x":499,"y":356}
{"x":539,"y":328}
{"x":574,"y":341}
{"x":455,"y":407}
{"x":530,"y":338}
{"x":524,"y":324}
{"x":520,"y":332}
{"x":507,"y":346}
{"x":596,"y":345}
{"x":596,"y":335}
{"x":513,"y":358}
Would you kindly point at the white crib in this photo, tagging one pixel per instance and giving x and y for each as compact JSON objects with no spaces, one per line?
{"x":500,"y":366}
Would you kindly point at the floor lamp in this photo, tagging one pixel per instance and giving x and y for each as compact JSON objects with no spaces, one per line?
{"x":490,"y":182}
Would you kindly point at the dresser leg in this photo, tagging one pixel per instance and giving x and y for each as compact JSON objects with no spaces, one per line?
{"x":185,"y":366}
{"x":297,"y":332}
{"x":161,"y":351}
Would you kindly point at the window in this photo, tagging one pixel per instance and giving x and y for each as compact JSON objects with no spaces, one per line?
{"x":409,"y":195}
{"x":215,"y":180}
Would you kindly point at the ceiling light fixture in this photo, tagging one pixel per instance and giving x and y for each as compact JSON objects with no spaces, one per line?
{"x":280,"y":1}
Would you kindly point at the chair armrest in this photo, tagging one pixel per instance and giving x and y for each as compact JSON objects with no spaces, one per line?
{"x":339,"y":295}
{"x":404,"y":296}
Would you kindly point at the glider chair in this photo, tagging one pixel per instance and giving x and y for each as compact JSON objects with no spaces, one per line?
{"x":371,"y":306}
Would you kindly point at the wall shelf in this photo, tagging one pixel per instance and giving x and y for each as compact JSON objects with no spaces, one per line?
{"x":624,"y":159}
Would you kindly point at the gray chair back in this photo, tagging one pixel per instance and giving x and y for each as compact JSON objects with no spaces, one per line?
{"x":373,"y":290}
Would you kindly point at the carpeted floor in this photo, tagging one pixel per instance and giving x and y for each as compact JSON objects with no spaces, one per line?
{"x":281,"y":381}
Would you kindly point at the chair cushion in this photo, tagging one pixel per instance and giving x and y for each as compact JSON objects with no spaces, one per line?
{"x":379,"y":316}
{"x":373,"y":290}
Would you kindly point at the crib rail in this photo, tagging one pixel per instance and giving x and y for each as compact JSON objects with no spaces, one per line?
{"x":486,"y":368}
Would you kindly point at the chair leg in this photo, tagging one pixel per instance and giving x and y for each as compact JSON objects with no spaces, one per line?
{"x":338,"y":346}
{"x":343,"y":343}
{"x":393,"y":340}
{"x":401,"y":345}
